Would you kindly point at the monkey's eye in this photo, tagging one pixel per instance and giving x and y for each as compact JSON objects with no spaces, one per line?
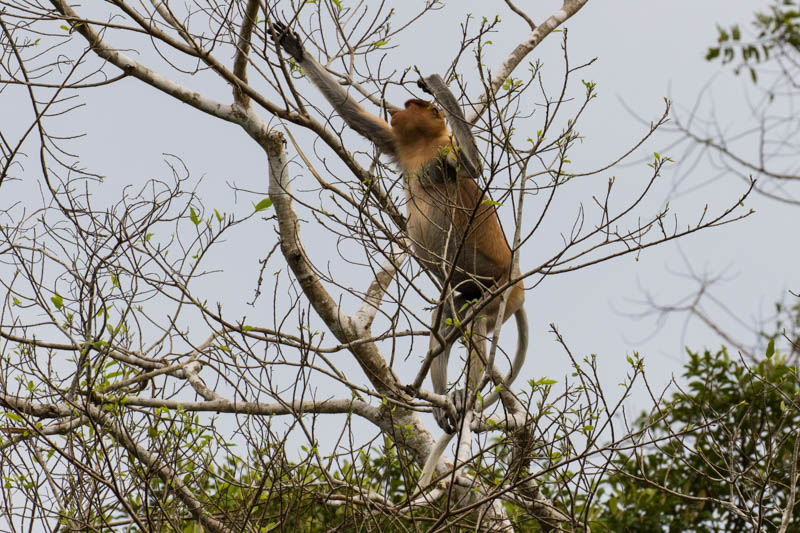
{"x":435,"y":112}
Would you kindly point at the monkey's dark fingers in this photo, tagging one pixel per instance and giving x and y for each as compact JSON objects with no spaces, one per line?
{"x":459,"y":400}
{"x":444,"y":420}
{"x":450,"y":419}
{"x":424,"y":86}
{"x":288,"y":39}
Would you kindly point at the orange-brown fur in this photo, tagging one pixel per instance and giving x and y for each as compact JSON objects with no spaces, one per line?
{"x":420,"y":136}
{"x":445,"y":215}
{"x":456,"y":236}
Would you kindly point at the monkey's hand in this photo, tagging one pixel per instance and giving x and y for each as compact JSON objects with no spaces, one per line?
{"x":424,"y":86}
{"x":445,"y":418}
{"x":289,"y":40}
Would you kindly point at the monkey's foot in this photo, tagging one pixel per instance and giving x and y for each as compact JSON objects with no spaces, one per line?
{"x":444,"y":417}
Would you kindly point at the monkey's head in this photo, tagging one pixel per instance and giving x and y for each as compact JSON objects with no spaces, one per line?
{"x":419,"y":120}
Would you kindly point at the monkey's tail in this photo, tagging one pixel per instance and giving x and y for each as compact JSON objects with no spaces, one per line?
{"x":521,"y":318}
{"x":433,"y":459}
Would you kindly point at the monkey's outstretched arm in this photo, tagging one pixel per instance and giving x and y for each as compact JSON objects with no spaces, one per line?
{"x":469,"y":156}
{"x":366,"y":124}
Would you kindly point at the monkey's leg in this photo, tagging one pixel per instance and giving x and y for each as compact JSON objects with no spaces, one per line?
{"x":475,"y":340}
{"x":443,"y":315}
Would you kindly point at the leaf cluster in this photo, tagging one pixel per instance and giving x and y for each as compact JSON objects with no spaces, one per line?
{"x":723,"y":452}
{"x":777,"y":29}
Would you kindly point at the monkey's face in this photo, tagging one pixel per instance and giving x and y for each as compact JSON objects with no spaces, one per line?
{"x":418,"y":119}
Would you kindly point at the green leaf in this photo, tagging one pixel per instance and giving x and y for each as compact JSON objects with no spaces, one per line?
{"x":511,"y":83}
{"x":266,"y":203}
{"x":771,"y":348}
{"x":193,"y":216}
{"x":13,"y":416}
{"x":378,"y":44}
{"x":58,"y":301}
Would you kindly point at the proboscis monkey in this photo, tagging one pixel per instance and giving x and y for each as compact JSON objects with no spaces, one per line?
{"x":455,"y":232}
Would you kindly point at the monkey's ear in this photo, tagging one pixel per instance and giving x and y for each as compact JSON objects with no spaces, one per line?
{"x":288,"y":39}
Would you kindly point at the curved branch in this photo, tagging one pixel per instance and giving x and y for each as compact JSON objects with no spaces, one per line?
{"x":568,"y":9}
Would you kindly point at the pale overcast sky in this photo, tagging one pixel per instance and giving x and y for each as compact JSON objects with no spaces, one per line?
{"x":646,"y":50}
